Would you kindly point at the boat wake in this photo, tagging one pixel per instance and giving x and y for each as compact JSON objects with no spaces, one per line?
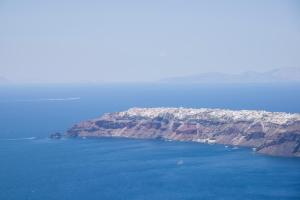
{"x":50,"y":99}
{"x":27,"y":138}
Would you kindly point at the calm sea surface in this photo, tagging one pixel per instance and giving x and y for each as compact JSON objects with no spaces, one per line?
{"x":35,"y":167}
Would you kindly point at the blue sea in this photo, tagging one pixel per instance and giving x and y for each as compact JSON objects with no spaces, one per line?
{"x":35,"y":167}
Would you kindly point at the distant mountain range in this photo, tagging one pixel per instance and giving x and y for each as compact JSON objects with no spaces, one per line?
{"x":280,"y":75}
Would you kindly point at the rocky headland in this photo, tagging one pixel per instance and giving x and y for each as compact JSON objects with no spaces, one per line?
{"x":273,"y":133}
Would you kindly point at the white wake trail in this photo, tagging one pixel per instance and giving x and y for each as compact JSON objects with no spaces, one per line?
{"x":50,"y":99}
{"x":26,"y":138}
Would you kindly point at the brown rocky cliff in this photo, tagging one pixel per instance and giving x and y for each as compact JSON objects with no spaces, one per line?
{"x":266,"y":132}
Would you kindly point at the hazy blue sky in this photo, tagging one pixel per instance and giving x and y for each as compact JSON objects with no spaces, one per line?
{"x":70,"y":41}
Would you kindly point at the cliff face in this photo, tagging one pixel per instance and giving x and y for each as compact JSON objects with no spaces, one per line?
{"x":270,"y":133}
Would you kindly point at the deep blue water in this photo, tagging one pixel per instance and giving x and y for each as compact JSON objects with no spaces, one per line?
{"x":34,"y":167}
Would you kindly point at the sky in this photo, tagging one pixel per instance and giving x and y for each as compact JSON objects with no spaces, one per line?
{"x":118,"y":41}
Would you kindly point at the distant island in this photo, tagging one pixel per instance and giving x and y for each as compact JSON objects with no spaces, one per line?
{"x":290,"y":75}
{"x":272,"y":133}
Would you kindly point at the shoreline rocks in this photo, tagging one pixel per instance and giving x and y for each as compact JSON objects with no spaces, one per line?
{"x":56,"y":135}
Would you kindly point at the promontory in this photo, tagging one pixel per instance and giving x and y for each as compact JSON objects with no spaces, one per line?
{"x":273,"y":133}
